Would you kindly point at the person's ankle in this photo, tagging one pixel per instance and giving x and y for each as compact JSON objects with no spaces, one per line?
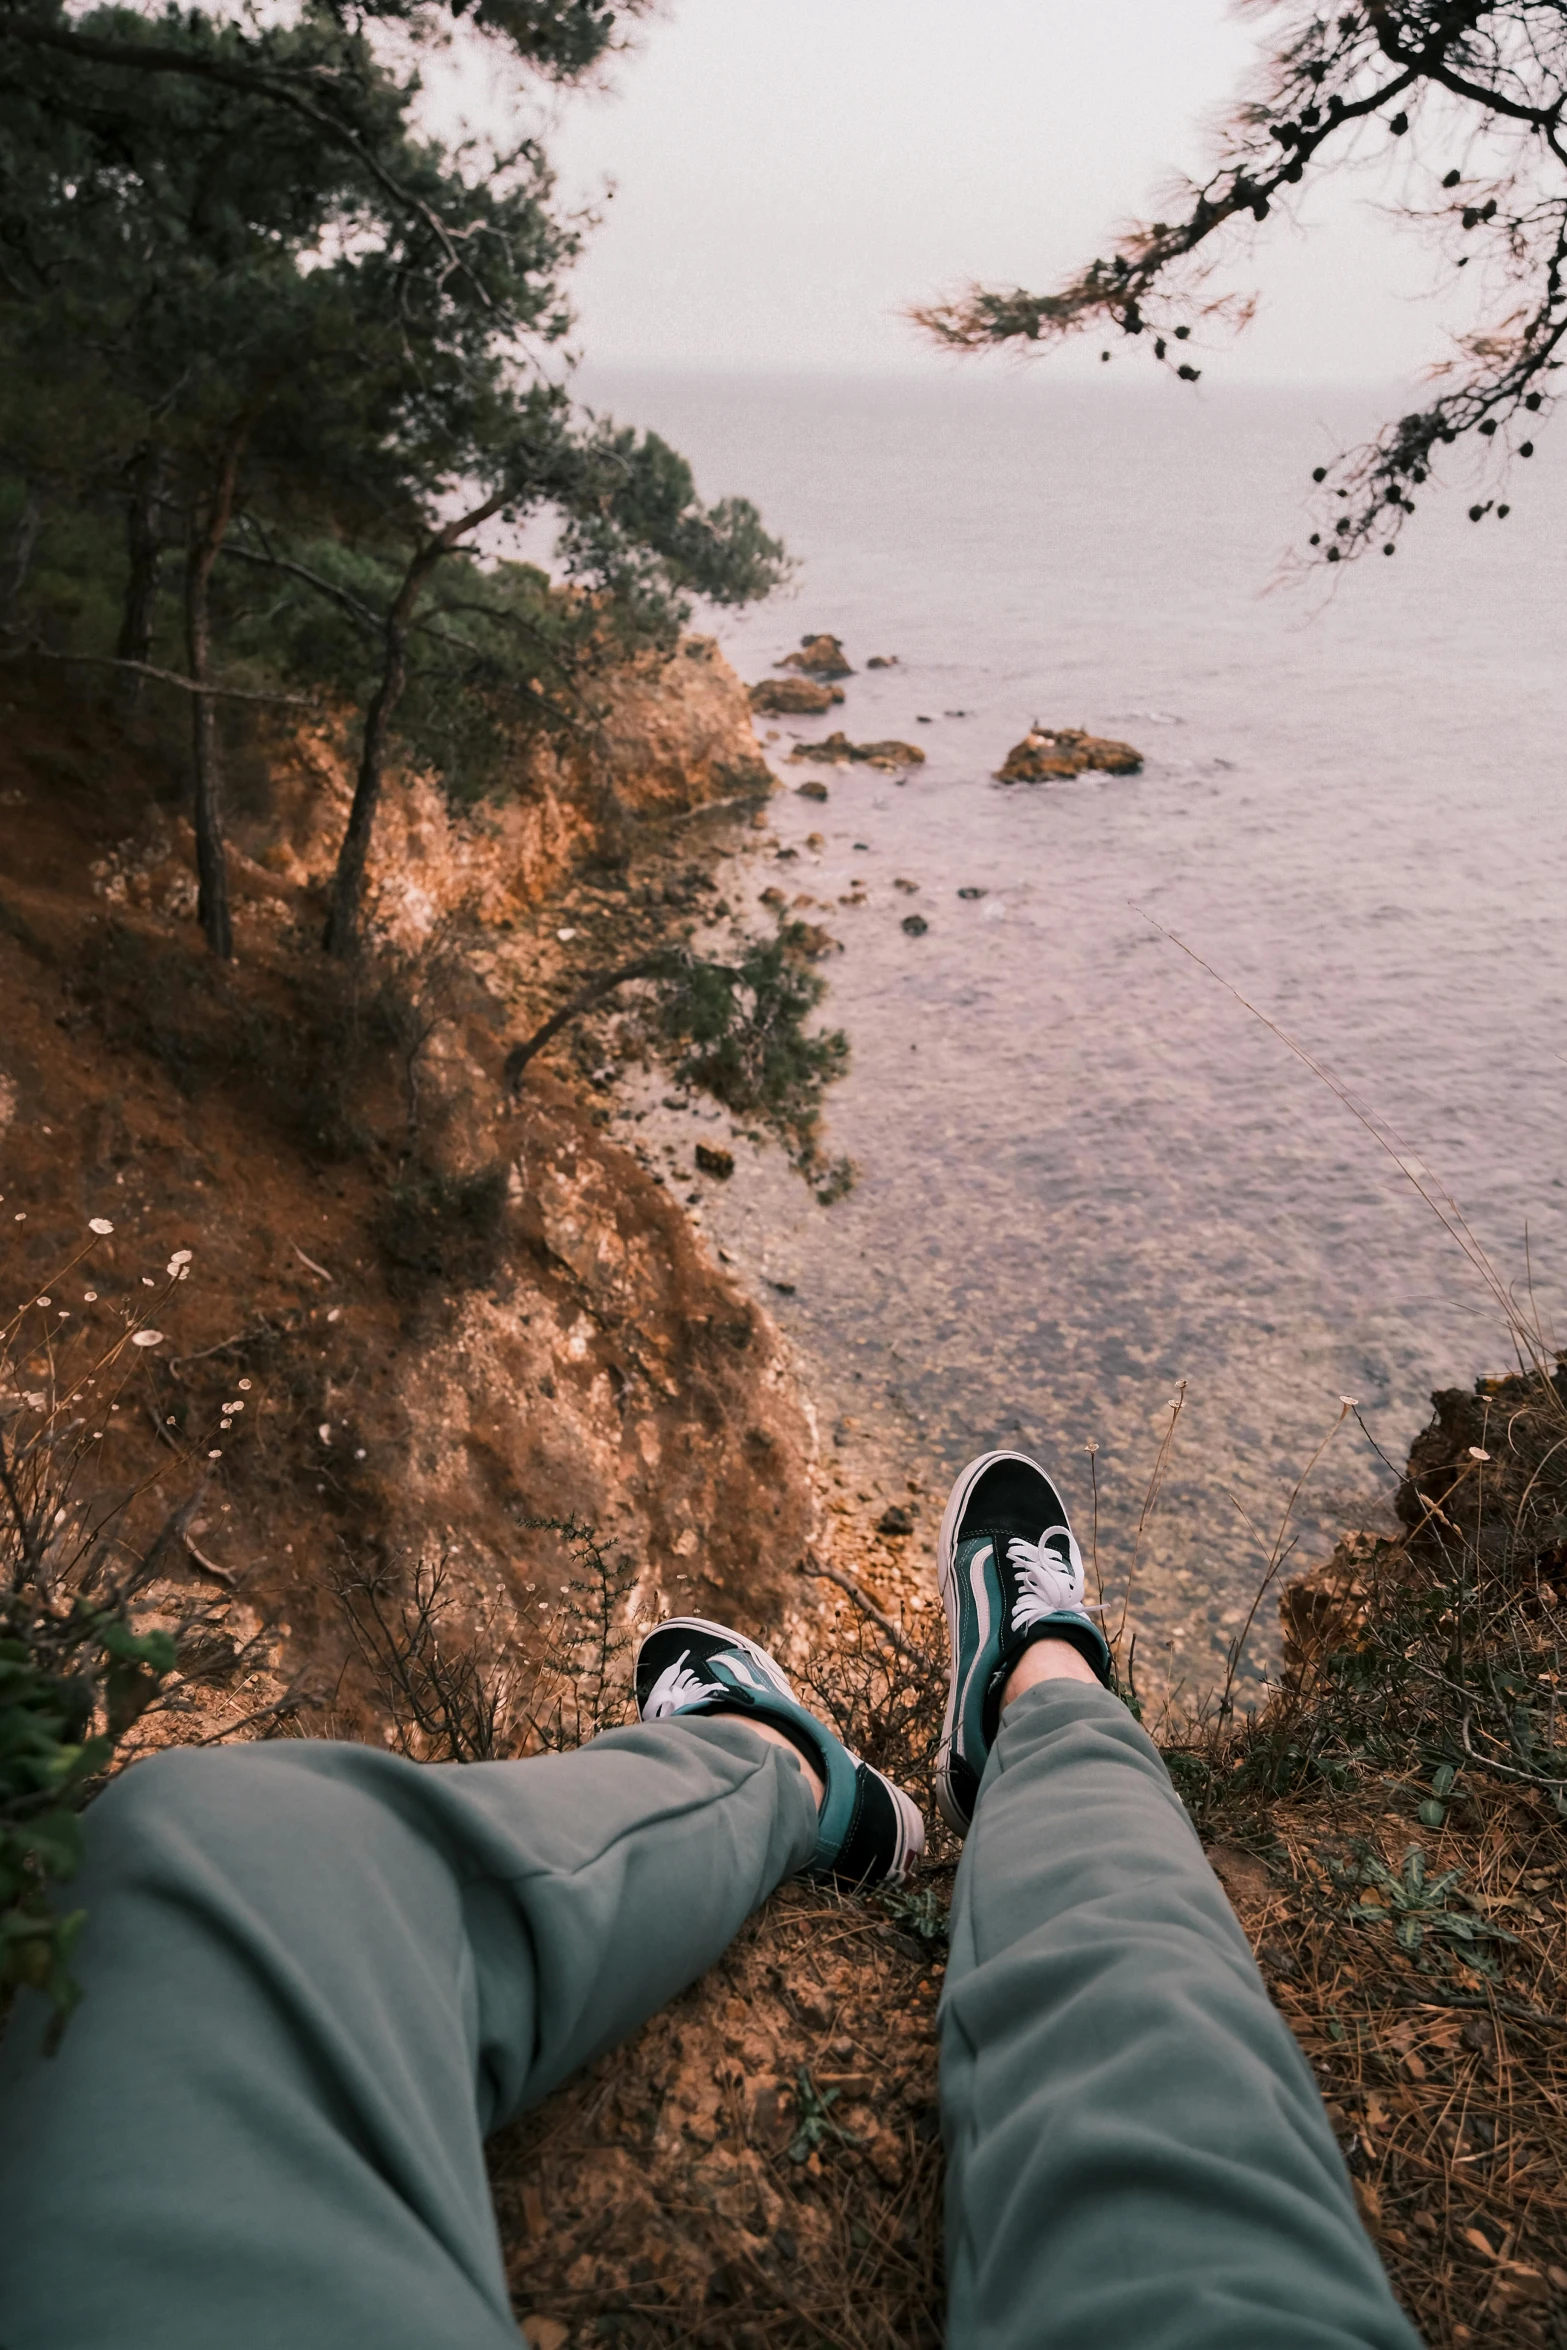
{"x":776,"y":1737}
{"x":1049,"y":1659}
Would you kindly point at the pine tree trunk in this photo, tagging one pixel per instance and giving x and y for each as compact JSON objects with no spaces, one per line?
{"x":207,"y":534}
{"x":144,"y":552}
{"x":348,"y":882}
{"x":22,"y":546}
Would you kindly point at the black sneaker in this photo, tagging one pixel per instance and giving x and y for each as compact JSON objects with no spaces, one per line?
{"x":870,"y":1832}
{"x":1011,"y":1573}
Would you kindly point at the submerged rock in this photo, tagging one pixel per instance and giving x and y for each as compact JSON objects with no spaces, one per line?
{"x":818,"y":656}
{"x":793,"y":697}
{"x":838,"y":749}
{"x":1047,"y":753}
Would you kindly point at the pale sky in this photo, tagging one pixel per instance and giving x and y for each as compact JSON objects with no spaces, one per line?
{"x":790,"y":173}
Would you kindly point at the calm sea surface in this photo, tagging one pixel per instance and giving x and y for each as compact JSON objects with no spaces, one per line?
{"x":1086,"y":1172}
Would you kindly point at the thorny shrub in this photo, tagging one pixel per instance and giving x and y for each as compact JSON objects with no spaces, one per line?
{"x":449,"y":1671}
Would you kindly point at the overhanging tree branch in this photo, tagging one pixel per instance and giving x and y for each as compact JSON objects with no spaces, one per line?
{"x":1500,"y":68}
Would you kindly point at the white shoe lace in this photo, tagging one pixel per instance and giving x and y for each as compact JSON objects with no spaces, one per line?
{"x":676,"y":1688}
{"x":1047,"y":1581}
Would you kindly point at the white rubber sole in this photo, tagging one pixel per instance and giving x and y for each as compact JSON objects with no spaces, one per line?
{"x":911,"y":1833}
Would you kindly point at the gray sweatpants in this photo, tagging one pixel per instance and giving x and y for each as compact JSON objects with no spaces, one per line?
{"x":317,"y":1975}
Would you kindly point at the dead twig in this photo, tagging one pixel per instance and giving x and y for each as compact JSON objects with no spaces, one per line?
{"x":812,"y":1566}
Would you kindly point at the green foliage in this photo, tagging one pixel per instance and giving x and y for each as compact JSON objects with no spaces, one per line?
{"x":63,"y":1670}
{"x":250,"y":316}
{"x":738,"y":1031}
{"x":815,"y":2123}
{"x":1416,"y":1905}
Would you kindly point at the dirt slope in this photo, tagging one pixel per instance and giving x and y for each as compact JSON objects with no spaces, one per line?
{"x":454,"y":1315}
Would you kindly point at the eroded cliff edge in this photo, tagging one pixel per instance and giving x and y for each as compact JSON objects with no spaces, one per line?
{"x":452,"y":1313}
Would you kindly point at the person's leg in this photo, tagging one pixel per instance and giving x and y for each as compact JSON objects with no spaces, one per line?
{"x":315,"y":1976}
{"x":1137,"y":2151}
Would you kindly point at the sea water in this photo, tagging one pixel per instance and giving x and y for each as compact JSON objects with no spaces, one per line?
{"x":1090,"y":1180}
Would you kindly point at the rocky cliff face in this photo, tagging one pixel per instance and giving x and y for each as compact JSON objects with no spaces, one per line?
{"x":670,"y":737}
{"x":455,"y":1315}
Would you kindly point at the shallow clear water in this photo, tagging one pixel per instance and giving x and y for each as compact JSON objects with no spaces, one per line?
{"x":1086,"y":1172}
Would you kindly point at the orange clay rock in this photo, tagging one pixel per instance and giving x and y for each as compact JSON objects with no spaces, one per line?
{"x":1047,"y":754}
{"x":838,"y":749}
{"x":793,"y":697}
{"x":818,"y":656}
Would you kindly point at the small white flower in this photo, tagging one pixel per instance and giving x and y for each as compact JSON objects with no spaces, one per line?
{"x":1351,"y":1403}
{"x":325,"y":1431}
{"x":225,"y":1425}
{"x":146,"y":1338}
{"x":91,"y":1296}
{"x":148,"y":1282}
{"x":181,"y":1256}
{"x":99,"y":1224}
{"x":216,"y":1453}
{"x":44,"y":1301}
{"x":1476,"y":1453}
{"x":360,"y":1454}
{"x":35,"y":1400}
{"x":245,"y":1384}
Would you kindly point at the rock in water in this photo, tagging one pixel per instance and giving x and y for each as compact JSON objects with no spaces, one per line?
{"x":915,"y":924}
{"x":811,"y":789}
{"x":838,"y":748}
{"x":1046,"y":754}
{"x":882,"y":661}
{"x":819,"y":656}
{"x":793,"y":697}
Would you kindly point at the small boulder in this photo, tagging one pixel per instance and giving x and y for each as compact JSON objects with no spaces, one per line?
{"x":837,"y":750}
{"x":1047,"y":754}
{"x":715,"y":1162}
{"x":818,"y":656}
{"x":891,"y":754}
{"x":915,"y":924}
{"x":811,"y":789}
{"x":882,"y":661}
{"x":894,"y":1520}
{"x":793,"y":697}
